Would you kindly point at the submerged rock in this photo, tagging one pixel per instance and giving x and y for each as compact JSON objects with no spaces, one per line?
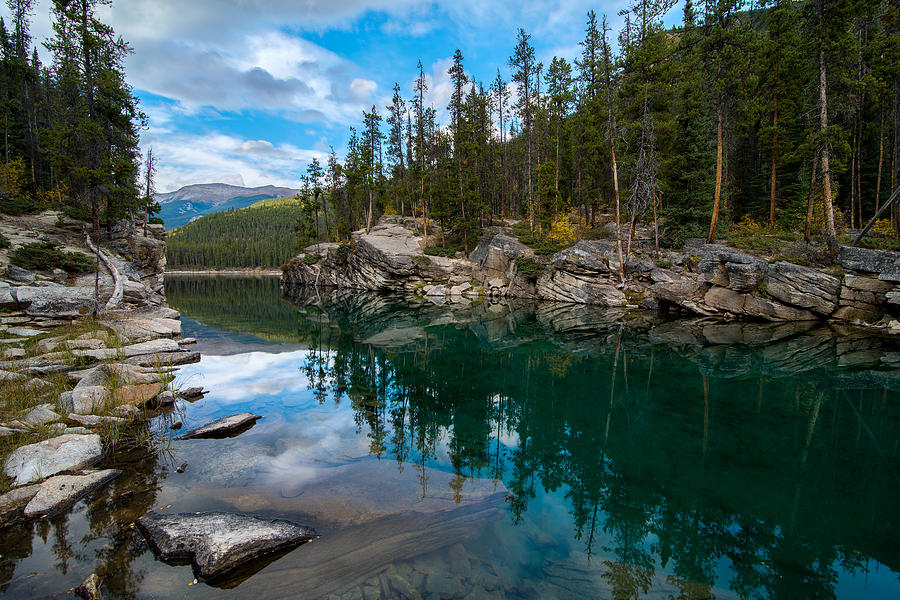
{"x":224,"y":427}
{"x":69,"y":452}
{"x":216,"y":543}
{"x":89,"y":588}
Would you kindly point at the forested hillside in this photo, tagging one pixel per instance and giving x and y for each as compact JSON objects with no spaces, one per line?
{"x":779,"y":115}
{"x":69,"y":129}
{"x":257,"y":236}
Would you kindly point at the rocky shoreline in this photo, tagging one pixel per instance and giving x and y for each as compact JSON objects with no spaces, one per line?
{"x":81,"y":371}
{"x":862,"y":287}
{"x":85,"y":374}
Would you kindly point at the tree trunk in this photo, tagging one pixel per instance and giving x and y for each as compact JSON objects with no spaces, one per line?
{"x":830,"y":233}
{"x":657,"y":197}
{"x":774,"y":163}
{"x":615,"y":174}
{"x":809,"y":202}
{"x":853,"y":179}
{"x":718,"y":194}
{"x":368,"y":212}
{"x":880,"y":161}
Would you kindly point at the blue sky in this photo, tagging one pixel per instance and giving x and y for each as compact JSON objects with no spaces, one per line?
{"x":248,"y":91}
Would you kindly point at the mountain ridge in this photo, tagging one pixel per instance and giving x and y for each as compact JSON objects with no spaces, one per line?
{"x":182,"y":206}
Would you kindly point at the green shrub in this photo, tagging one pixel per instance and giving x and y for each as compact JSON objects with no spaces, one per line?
{"x":528,"y":267}
{"x":541,"y":247}
{"x":423,"y":261}
{"x":449,"y":251}
{"x":4,"y":242}
{"x":45,"y":256}
{"x":16,"y":206}
{"x":663,"y":263}
{"x":311,"y":259}
{"x":156,"y":221}
{"x":79,"y":212}
{"x":343,"y":251}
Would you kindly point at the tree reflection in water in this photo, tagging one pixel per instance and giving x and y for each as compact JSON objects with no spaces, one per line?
{"x":771,"y":448}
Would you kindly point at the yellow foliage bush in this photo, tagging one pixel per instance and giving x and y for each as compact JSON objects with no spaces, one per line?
{"x":561,"y":230}
{"x":13,"y":178}
{"x":882,"y":228}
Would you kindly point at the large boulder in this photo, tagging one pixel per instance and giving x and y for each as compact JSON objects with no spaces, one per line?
{"x":389,"y":257}
{"x":869,"y":261}
{"x":68,"y":452}
{"x":57,"y":301}
{"x":216,"y":543}
{"x":803,"y":287}
{"x":584,"y":258}
{"x":19,"y":274}
{"x":863,"y":298}
{"x":565,"y":286}
{"x":6,"y":298}
{"x":494,"y":253}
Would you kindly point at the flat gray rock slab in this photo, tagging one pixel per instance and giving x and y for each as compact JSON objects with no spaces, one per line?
{"x":55,"y":302}
{"x":14,"y":501}
{"x":182,"y":357}
{"x":87,"y":398}
{"x":41,"y":415}
{"x":10,"y":376}
{"x":151,"y":347}
{"x":95,"y":421}
{"x":216,"y":543}
{"x":24,"y":331}
{"x":224,"y":427}
{"x":68,"y":452}
{"x":62,"y":491}
{"x":143,"y":329}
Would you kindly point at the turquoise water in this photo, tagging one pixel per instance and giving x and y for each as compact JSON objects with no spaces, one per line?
{"x":489,"y":451}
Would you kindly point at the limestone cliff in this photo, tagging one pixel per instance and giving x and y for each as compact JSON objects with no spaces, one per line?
{"x":47,"y":298}
{"x":704,"y":279}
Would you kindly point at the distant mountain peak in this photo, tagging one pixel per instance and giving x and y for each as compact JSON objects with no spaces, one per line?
{"x":198,"y":199}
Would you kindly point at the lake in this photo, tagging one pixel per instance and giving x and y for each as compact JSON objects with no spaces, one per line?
{"x":507,"y":451}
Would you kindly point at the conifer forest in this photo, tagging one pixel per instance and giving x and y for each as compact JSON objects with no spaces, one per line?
{"x":776,"y":116}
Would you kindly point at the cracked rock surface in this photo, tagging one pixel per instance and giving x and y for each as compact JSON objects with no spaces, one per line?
{"x":216,"y":542}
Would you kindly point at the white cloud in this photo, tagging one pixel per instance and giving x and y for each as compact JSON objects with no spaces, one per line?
{"x":222,"y":59}
{"x":186,"y":158}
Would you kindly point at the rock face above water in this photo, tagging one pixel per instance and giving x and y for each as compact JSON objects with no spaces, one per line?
{"x":216,"y":543}
{"x":704,"y":279}
{"x":68,"y":452}
{"x":224,"y":427}
{"x":389,"y":257}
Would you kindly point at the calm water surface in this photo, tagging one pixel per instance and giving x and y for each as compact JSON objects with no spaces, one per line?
{"x":520,"y":451}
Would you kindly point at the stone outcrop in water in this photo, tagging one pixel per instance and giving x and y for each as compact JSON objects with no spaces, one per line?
{"x":216,"y":543}
{"x":389,"y":257}
{"x":704,"y":279}
{"x":224,"y":427}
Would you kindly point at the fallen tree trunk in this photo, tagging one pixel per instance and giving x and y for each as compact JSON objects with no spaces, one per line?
{"x":118,"y":290}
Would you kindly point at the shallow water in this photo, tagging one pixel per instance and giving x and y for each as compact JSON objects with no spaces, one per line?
{"x":509,"y":451}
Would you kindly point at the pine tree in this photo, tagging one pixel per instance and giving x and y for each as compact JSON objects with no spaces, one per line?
{"x":524,"y":69}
